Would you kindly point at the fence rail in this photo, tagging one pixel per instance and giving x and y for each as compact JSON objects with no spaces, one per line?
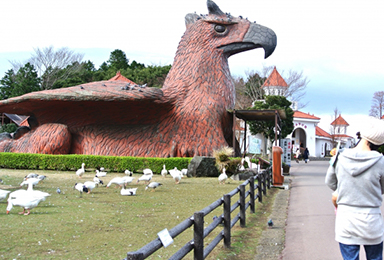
{"x":260,"y":182}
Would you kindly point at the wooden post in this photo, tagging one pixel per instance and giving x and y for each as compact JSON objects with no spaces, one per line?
{"x":259,"y":187}
{"x":242,"y":205}
{"x":134,"y":256}
{"x":264,"y":183}
{"x":227,"y":220}
{"x":198,"y":231}
{"x":234,"y":131}
{"x":252,"y":194}
{"x":245,"y":138}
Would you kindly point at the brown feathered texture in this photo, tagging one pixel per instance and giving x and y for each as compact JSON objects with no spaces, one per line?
{"x":187,"y":117}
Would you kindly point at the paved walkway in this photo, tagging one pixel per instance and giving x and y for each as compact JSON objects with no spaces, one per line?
{"x":303,"y":217}
{"x":311,"y":216}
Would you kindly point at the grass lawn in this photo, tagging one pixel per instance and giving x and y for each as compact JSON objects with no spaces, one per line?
{"x":102,"y":224}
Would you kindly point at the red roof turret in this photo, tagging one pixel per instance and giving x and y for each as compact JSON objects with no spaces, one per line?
{"x":275,"y":80}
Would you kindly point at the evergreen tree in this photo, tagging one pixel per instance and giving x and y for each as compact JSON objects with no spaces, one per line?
{"x":118,"y":61}
{"x":267,"y":127}
{"x":24,"y":81}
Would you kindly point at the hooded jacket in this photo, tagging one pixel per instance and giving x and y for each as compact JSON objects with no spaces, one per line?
{"x":358,"y":178}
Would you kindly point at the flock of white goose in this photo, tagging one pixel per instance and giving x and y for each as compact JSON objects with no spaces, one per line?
{"x":30,"y":198}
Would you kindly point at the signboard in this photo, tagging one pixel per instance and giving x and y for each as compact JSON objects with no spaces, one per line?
{"x":254,"y":145}
{"x":165,"y":237}
{"x":287,"y":147}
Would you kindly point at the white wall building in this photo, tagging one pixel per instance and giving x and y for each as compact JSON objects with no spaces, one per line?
{"x":306,"y":133}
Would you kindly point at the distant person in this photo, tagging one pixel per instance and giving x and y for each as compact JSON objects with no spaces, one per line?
{"x":297,"y":155}
{"x":357,"y":178}
{"x":306,"y":155}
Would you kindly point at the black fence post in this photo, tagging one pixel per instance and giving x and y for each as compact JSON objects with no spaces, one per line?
{"x":269,"y":177}
{"x":260,"y":187}
{"x":227,"y":220}
{"x":198,"y":230}
{"x":265,"y":183}
{"x":252,"y":194}
{"x":134,"y":256}
{"x":242,"y":205}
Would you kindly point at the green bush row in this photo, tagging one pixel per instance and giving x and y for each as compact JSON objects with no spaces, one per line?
{"x":74,"y":161}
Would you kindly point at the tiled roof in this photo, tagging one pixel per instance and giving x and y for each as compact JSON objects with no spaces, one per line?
{"x":121,"y":78}
{"x":321,"y":132}
{"x":339,"y":121}
{"x":299,"y":114}
{"x":275,"y":80}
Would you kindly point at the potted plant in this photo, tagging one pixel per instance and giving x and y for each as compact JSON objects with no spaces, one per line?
{"x":286,"y":169}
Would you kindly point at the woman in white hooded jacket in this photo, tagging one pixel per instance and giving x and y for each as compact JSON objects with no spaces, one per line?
{"x":357,"y":176}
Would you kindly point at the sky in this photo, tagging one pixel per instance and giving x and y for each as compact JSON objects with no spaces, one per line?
{"x":337,"y":44}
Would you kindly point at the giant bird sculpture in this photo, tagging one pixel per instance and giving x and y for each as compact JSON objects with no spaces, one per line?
{"x":187,"y":117}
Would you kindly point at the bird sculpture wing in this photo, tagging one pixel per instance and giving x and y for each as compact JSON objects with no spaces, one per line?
{"x":92,"y":99}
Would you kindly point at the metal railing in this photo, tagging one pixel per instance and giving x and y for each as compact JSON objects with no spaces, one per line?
{"x":260,"y":182}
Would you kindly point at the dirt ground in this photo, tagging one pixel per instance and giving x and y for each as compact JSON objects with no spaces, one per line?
{"x":272,"y":240}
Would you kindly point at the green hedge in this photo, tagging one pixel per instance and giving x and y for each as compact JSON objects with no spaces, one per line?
{"x":74,"y":161}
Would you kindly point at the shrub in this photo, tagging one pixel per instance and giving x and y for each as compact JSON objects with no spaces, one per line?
{"x":74,"y":161}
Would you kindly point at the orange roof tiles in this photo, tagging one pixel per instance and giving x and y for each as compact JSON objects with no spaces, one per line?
{"x":339,"y":121}
{"x":299,"y":114}
{"x":121,"y":78}
{"x":321,"y":132}
{"x":274,"y":80}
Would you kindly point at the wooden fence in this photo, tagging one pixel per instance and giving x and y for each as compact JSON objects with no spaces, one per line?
{"x":260,"y":182}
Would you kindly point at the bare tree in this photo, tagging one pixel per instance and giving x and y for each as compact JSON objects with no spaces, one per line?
{"x":377,"y":104}
{"x":296,"y":82}
{"x":253,"y":86}
{"x":333,"y":128}
{"x":243,"y":101}
{"x":50,"y":64}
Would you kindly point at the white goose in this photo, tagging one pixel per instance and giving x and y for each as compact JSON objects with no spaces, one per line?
{"x":164,"y":171}
{"x":223,"y":177}
{"x":31,"y":175}
{"x":27,"y":199}
{"x":251,"y":165}
{"x":3,"y":194}
{"x":97,"y":181}
{"x":100,"y":174}
{"x":42,"y":177}
{"x":118,"y":181}
{"x":176,"y":175}
{"x":147,"y":172}
{"x":26,"y":202}
{"x":128,"y":192}
{"x":127,"y":179}
{"x":153,"y":185}
{"x":80,"y":172}
{"x":184,"y":172}
{"x":33,"y":181}
{"x":128,"y":172}
{"x":36,"y":193}
{"x":80,"y":187}
{"x":146,"y":178}
{"x":90,"y":185}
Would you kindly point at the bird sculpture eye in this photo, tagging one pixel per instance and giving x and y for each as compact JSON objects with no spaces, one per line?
{"x":220,"y":28}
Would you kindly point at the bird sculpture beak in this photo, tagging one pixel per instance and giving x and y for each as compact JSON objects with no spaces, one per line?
{"x":257,"y":36}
